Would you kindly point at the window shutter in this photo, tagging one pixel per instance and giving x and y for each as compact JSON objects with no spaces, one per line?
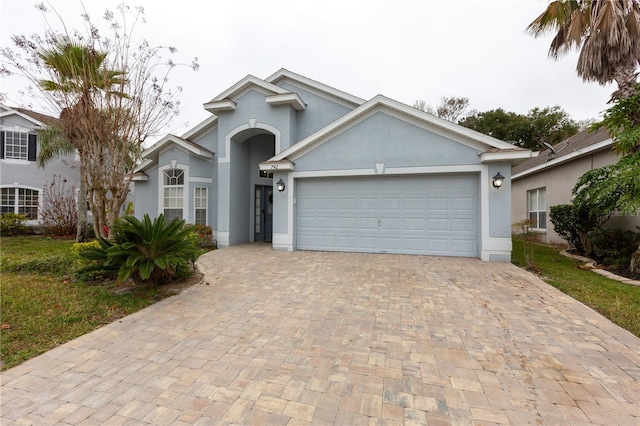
{"x":32,"y":155}
{"x":2,"y":145}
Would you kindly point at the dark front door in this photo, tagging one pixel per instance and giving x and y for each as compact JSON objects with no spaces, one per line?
{"x":263,"y":213}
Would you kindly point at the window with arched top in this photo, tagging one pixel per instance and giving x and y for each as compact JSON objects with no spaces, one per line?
{"x":173,"y":194}
{"x":20,"y":201}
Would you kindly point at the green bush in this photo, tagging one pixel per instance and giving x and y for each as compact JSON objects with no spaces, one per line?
{"x":90,"y":270}
{"x":572,"y":224}
{"x":144,"y":250}
{"x":13,"y":224}
{"x":614,"y":247}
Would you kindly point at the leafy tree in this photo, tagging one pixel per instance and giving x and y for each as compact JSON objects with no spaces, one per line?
{"x":498,"y":123}
{"x":609,"y":189}
{"x":550,"y":124}
{"x":449,"y":108}
{"x":622,"y":121}
{"x":606,"y":32}
{"x":111,"y":94}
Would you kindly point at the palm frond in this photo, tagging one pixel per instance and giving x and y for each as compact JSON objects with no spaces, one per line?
{"x":555,"y":17}
{"x":53,"y":143}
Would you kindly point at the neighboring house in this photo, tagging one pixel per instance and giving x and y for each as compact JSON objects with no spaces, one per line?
{"x":305,"y":166}
{"x":21,"y":180}
{"x":548,"y":179}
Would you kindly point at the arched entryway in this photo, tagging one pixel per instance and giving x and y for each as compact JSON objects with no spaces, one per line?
{"x":251,"y":191}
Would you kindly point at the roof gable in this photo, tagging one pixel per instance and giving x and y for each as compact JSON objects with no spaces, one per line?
{"x":276,"y":95}
{"x":483,"y":143}
{"x":150,"y":155}
{"x":38,"y":119}
{"x":285,"y":76}
{"x":569,"y":149}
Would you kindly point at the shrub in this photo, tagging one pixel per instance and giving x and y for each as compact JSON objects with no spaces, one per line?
{"x":573,"y":223}
{"x":12,"y":224}
{"x":89,"y":270}
{"x":205,"y":235}
{"x":614,"y":247}
{"x":59,"y":213}
{"x":146,"y":251}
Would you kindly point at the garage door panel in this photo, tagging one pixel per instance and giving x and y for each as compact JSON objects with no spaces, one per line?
{"x":463,"y":224}
{"x":438,"y":224}
{"x":392,"y":214}
{"x":438,"y":203}
{"x":462,"y":246}
{"x":414,"y":224}
{"x":391,"y":223}
{"x":414,"y":203}
{"x":463,"y":204}
{"x":347,"y":223}
{"x":438,"y":245}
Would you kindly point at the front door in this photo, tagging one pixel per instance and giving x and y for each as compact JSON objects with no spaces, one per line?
{"x":263,"y":213}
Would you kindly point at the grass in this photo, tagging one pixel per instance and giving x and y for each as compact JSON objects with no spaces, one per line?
{"x":42,"y":306}
{"x":618,"y":302}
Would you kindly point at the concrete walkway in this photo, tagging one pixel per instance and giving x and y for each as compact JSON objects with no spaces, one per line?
{"x":337,"y":338}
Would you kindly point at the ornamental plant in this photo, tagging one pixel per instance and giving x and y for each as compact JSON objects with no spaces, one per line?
{"x":146,"y":251}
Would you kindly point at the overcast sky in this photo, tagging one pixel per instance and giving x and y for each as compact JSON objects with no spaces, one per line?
{"x":403,"y":49}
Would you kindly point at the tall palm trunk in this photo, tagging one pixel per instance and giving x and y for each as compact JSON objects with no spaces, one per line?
{"x":627,"y":79}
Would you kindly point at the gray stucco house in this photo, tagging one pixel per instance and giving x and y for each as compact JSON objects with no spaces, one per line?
{"x":548,"y":180}
{"x":305,"y":166}
{"x":21,"y":180}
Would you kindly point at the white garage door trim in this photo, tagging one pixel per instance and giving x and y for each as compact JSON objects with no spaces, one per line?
{"x":425,"y":214}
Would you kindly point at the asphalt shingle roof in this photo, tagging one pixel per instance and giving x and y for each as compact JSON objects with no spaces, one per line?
{"x":568,"y":146}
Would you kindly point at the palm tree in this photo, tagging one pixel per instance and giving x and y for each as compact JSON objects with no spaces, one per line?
{"x":79,"y":79}
{"x":606,"y":32}
{"x":53,"y":143}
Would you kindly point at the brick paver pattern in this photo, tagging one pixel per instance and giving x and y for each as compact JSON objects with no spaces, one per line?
{"x":341,"y":338}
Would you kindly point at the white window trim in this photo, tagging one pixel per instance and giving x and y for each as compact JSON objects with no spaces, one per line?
{"x":6,"y":142}
{"x":161,"y":186}
{"x":14,"y":161}
{"x":206,"y":208}
{"x":529,"y":211}
{"x":15,"y":206}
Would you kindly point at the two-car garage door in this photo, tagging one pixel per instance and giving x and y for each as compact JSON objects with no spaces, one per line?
{"x":434,"y":215}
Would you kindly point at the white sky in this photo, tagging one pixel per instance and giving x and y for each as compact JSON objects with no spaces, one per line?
{"x":403,"y":49}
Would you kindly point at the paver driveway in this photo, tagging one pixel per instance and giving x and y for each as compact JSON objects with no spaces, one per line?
{"x":324,"y":338}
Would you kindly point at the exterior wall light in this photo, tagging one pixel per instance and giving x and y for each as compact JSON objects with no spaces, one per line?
{"x":498,"y":180}
{"x":280,"y":185}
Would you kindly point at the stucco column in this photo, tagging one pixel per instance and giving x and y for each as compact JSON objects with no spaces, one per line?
{"x":224,"y":184}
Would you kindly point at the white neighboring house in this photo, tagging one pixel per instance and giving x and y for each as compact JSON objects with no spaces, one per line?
{"x":21,"y":180}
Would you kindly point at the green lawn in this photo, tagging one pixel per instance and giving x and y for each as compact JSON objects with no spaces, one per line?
{"x":42,"y":306}
{"x":616,"y":301}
